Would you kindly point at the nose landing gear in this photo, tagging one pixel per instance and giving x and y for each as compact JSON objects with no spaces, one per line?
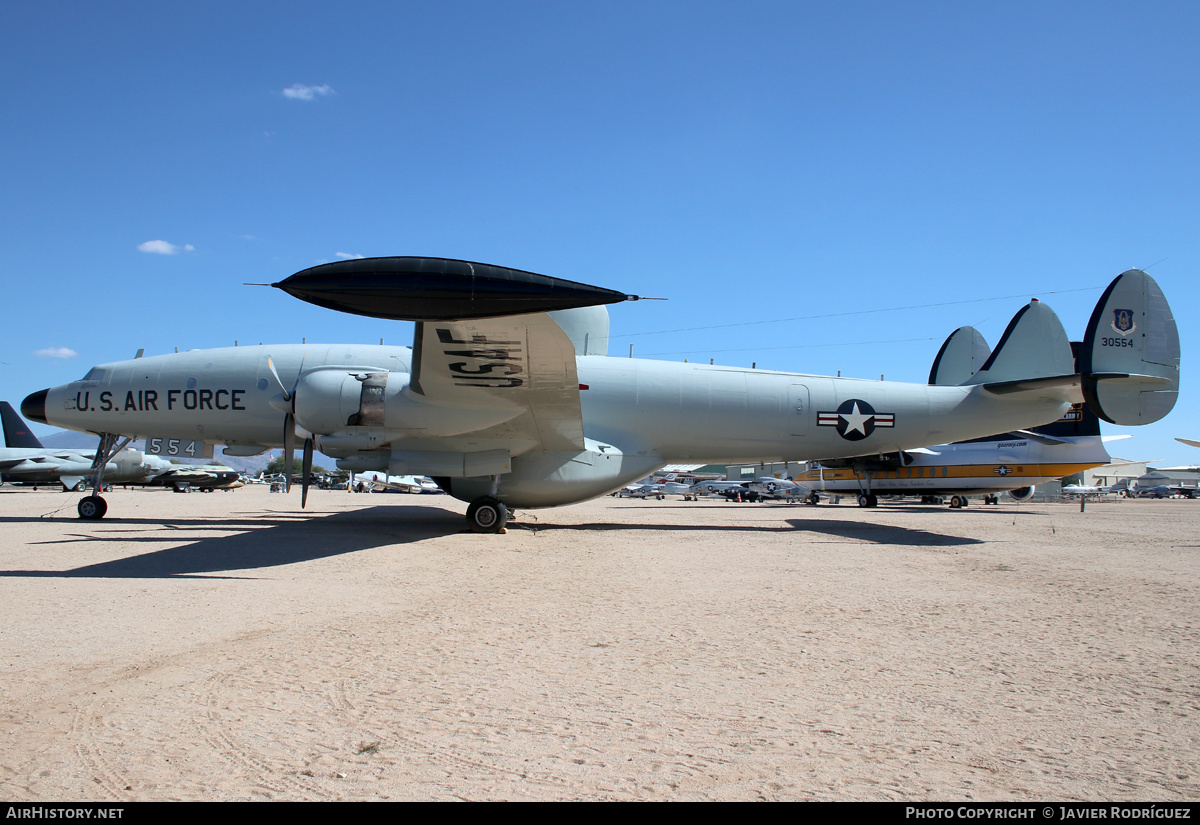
{"x":94,"y":507}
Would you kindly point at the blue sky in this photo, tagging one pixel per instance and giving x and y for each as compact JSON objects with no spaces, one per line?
{"x":750,"y":162}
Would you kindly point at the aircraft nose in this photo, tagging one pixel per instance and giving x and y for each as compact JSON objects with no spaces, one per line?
{"x":33,"y":408}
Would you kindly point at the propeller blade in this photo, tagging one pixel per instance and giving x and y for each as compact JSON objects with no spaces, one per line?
{"x":289,"y":425}
{"x":300,"y":372}
{"x":289,"y":449}
{"x":307,"y":471}
{"x":287,"y":396}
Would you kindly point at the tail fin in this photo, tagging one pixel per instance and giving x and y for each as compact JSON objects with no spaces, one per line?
{"x":1130,"y":353}
{"x":961,"y":356}
{"x":16,"y":431}
{"x":1034,"y":346}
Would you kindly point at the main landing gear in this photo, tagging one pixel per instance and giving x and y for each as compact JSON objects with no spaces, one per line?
{"x":868,"y":500}
{"x":487,"y":514}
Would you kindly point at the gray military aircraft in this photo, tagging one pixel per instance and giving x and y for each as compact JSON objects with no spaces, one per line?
{"x":507,"y":398}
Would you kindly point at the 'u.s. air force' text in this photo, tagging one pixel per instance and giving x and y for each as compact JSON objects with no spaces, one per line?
{"x":150,"y":400}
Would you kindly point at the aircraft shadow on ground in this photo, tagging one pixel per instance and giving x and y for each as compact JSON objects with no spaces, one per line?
{"x":263,"y":543}
{"x":854,"y":530}
{"x":881,"y":533}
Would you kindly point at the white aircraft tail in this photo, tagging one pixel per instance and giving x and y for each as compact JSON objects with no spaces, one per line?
{"x":1034,"y":346}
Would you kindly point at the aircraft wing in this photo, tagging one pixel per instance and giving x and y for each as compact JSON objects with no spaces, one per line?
{"x":46,"y":459}
{"x":522,"y":363}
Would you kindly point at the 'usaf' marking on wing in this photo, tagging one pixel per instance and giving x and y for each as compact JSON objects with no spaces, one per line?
{"x":490,"y":363}
{"x":855,"y":419}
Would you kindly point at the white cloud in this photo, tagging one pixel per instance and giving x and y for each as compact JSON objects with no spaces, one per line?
{"x":164,"y":248}
{"x":348,"y":256}
{"x":298,"y":91}
{"x":56,"y":352}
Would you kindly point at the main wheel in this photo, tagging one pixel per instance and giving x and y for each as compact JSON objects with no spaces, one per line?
{"x":92,"y":507}
{"x":487,"y":515}
{"x":813,"y":498}
{"x":864,"y":500}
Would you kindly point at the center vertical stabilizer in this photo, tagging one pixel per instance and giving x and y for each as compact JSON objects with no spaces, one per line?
{"x":1035,"y":345}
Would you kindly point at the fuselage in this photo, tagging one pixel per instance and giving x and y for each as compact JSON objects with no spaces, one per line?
{"x":638,"y":415}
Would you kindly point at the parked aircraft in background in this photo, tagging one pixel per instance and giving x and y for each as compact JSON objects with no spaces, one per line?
{"x":184,"y":477}
{"x":73,"y":467}
{"x":1157,"y":485}
{"x":1070,"y":490}
{"x":769,"y":487}
{"x":716,"y":487}
{"x":403,"y":484}
{"x":25,"y":461}
{"x":642,"y":491}
{"x":507,"y":405}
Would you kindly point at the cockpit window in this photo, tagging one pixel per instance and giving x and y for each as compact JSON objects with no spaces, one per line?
{"x":96,"y":374}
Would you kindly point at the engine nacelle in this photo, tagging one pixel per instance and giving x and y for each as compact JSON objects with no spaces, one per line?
{"x":334,"y":400}
{"x":353,"y":410}
{"x":1023,"y":493}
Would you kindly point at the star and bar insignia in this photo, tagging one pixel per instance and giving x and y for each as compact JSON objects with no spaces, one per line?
{"x":855,"y":419}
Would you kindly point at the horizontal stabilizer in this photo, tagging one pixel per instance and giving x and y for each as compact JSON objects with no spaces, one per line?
{"x":1130,"y":353}
{"x":1027,"y":384}
{"x":1034,"y":346}
{"x":961,"y":356}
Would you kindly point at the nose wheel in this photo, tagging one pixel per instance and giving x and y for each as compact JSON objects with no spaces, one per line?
{"x":92,"y":507}
{"x":487,"y":515}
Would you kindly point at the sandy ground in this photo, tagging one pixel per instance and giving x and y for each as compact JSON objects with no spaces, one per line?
{"x":227,"y":646}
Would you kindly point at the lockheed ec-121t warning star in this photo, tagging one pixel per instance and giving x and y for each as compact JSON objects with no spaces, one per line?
{"x":507,"y":398}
